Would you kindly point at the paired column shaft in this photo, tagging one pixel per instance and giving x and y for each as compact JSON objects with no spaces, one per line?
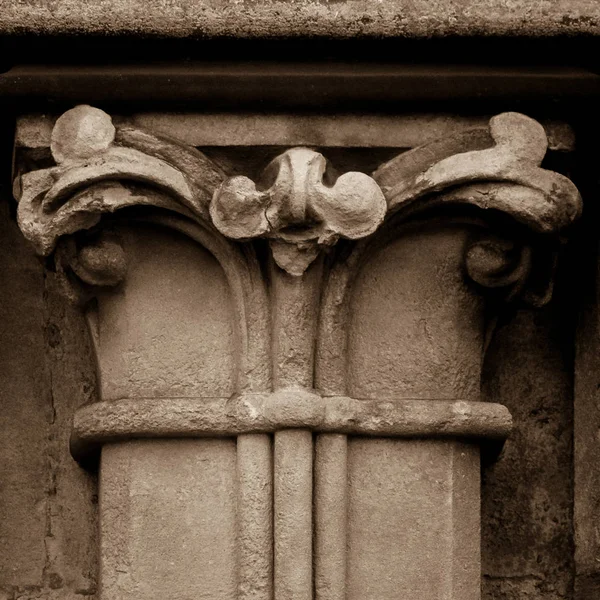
{"x":296,"y":304}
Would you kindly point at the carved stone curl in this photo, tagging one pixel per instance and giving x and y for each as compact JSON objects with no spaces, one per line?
{"x":300,"y":206}
{"x":497,"y":171}
{"x":99,"y":170}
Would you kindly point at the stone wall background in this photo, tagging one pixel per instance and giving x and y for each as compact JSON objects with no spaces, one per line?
{"x":47,"y":502}
{"x":527,"y":495}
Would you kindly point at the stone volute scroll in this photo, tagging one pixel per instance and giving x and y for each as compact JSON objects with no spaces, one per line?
{"x":289,"y":361}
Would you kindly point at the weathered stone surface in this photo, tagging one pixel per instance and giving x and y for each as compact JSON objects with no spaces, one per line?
{"x":292,"y":514}
{"x":123,"y":419}
{"x":404,"y":130}
{"x":80,"y":133}
{"x":331,"y":516}
{"x":27,"y":413}
{"x":527,"y":495}
{"x":93,"y":162}
{"x":413,"y":520}
{"x":142,"y":351}
{"x":502,"y":175}
{"x":416,"y":329}
{"x":586,"y":424}
{"x":301,"y":205}
{"x":48,"y":541}
{"x":378,"y":327}
{"x":351,"y":18}
{"x":254,"y":461}
{"x":298,"y":204}
{"x":167,"y":526}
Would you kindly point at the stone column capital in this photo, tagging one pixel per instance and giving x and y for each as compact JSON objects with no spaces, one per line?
{"x":299,"y":202}
{"x":332,"y":323}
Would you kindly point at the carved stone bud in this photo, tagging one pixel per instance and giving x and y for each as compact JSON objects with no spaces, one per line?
{"x":102,"y":263}
{"x":81,"y":133}
{"x":299,"y":204}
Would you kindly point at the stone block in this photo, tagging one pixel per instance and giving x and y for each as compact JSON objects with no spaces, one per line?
{"x":168,"y":520}
{"x":413,"y":520}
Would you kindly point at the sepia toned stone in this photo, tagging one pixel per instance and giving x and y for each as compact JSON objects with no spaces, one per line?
{"x":48,"y":529}
{"x":290,"y":366}
{"x":406,"y":130}
{"x":167,"y":516}
{"x":80,"y":133}
{"x":304,"y":18}
{"x":299,"y":210}
{"x":425,"y":542}
{"x":586,"y":423}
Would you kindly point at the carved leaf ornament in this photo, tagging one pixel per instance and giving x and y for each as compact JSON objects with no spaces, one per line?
{"x":100,"y":170}
{"x":293,"y":205}
{"x":299,"y":204}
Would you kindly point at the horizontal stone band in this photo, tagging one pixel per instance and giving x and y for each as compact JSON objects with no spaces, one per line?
{"x":119,"y":420}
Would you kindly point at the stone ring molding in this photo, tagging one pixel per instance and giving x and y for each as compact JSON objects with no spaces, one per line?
{"x":104,"y":422}
{"x":469,"y":222}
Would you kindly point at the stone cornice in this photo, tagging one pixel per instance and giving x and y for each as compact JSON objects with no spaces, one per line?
{"x":349,"y":19}
{"x":332,"y":86}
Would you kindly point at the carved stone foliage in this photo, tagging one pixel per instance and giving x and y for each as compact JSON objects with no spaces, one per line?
{"x":299,"y":203}
{"x":359,"y":325}
{"x":297,"y":209}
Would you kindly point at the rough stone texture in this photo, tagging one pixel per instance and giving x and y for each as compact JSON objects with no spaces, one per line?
{"x":389,"y":416}
{"x":258,"y":129}
{"x":416,"y":331}
{"x":48,"y":542}
{"x":142,"y":351}
{"x":350,"y":18}
{"x":411,"y":324}
{"x":527,"y":496}
{"x":331,"y":516}
{"x":81,"y":133}
{"x":586,"y":427}
{"x":477,"y":167}
{"x":297,"y":188}
{"x":167,"y":522}
{"x":413,"y":520}
{"x":167,"y":510}
{"x":254,"y":463}
{"x":292,"y":515}
{"x":513,"y":491}
{"x":495,"y":167}
{"x":26,"y":399}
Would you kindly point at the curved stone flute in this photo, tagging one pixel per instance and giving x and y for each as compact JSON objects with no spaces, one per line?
{"x":355,"y":354}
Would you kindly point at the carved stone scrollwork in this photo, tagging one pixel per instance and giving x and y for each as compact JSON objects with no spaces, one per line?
{"x":299,"y":203}
{"x":100,"y":170}
{"x":358,"y":343}
{"x":300,"y":206}
{"x":504,"y":178}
